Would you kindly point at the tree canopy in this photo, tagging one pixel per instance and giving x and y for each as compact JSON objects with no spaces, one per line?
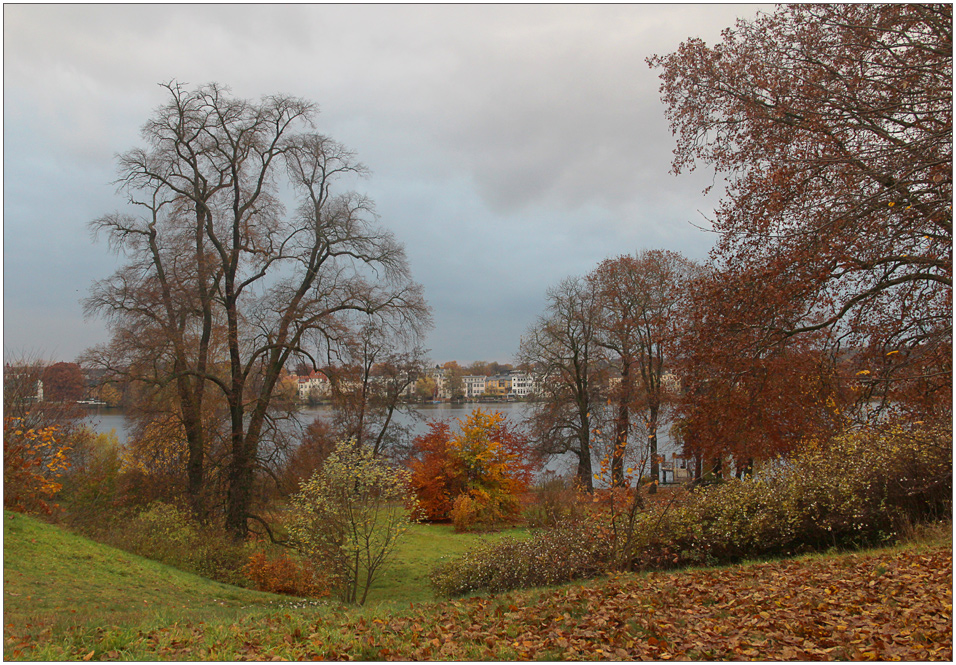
{"x":833,"y":127}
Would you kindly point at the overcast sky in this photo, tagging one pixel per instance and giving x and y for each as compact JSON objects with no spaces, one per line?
{"x":510,"y":146}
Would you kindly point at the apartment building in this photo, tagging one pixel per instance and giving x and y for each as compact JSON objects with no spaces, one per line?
{"x":473,"y":387}
{"x":522,"y":384}
{"x":316,"y":381}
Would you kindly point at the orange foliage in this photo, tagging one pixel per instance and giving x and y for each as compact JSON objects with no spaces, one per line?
{"x":435,"y":476}
{"x":476,"y":475}
{"x":284,"y":575}
{"x":33,"y":460}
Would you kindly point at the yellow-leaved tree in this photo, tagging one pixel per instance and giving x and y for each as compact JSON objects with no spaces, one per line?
{"x":476,"y":476}
{"x":33,"y":461}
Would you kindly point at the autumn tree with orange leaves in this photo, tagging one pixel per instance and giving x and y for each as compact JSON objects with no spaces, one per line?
{"x":474,"y":476}
{"x":38,"y":436}
{"x":33,"y":462}
{"x":833,"y":125}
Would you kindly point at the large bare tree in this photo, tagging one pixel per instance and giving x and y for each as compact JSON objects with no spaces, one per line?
{"x":215,"y":255}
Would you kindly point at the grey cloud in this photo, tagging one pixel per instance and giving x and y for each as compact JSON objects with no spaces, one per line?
{"x":525,"y":141}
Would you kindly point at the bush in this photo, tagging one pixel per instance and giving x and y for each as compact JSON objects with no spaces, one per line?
{"x":166,"y":533}
{"x":859,"y":488}
{"x":348,"y":518}
{"x":285,"y":575}
{"x":560,"y":554}
{"x":90,"y":495}
{"x":465,"y":513}
{"x":556,"y":500}
{"x":478,"y":508}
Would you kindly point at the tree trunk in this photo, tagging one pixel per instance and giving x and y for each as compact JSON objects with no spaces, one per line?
{"x":192,"y":424}
{"x":749,"y":468}
{"x":585,"y":472}
{"x":239,"y":493}
{"x":623,"y":424}
{"x":585,"y":477}
{"x":652,"y":450}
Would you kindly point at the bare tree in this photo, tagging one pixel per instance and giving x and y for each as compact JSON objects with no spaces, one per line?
{"x":641,"y":301}
{"x":216,"y":250}
{"x":369,"y":372}
{"x":562,"y":347}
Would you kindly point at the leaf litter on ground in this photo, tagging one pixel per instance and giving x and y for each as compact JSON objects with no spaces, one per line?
{"x":883,"y":605}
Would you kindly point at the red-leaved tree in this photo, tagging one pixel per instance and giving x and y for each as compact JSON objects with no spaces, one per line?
{"x":746,"y":397}
{"x":833,"y":125}
{"x":63,"y":382}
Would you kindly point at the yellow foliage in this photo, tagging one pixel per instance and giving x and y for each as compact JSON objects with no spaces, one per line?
{"x":33,"y":460}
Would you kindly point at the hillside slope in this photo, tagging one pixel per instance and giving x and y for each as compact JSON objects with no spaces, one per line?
{"x":53,"y":579}
{"x":886,"y":604}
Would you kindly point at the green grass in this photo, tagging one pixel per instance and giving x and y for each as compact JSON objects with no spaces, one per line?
{"x":58,"y":583}
{"x":54,"y":580}
{"x":67,"y":598}
{"x":405,"y":579}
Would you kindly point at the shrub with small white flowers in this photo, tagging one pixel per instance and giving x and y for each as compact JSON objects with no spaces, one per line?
{"x":565,"y":552}
{"x":859,"y":488}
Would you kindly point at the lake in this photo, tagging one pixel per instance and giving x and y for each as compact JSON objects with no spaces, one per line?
{"x":105,"y":420}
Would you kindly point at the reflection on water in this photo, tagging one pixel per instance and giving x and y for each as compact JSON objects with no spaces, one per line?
{"x":416,"y":420}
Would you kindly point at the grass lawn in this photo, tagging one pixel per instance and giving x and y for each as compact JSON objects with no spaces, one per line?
{"x":405,"y":579}
{"x":57,"y":583}
{"x":53,"y":580}
{"x":66,"y":598}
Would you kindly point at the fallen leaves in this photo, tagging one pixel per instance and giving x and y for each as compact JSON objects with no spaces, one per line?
{"x":874,"y":606}
{"x":883,"y":606}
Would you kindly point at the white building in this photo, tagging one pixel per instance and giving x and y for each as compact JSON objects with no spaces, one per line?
{"x":522,"y":384}
{"x":473,"y":386}
{"x":437,"y":374}
{"x":316,"y":381}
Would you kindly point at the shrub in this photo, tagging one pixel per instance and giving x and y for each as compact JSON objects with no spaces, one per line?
{"x":465,"y":513}
{"x":563,"y":553}
{"x":166,"y":533}
{"x":90,"y":495}
{"x":858,"y":488}
{"x":283,"y":574}
{"x":348,"y":518}
{"x":556,"y":500}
